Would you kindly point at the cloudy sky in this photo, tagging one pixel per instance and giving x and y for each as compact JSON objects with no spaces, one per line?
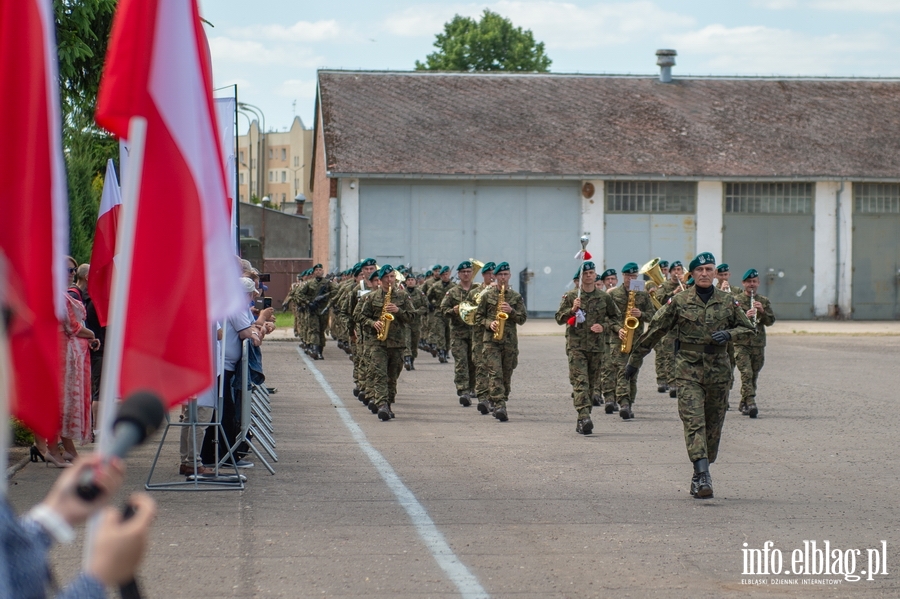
{"x":272,"y":48}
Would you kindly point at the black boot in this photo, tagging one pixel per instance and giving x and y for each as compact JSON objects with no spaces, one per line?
{"x":662,"y":388}
{"x":407,"y":363}
{"x":318,"y":350}
{"x":584,"y":426}
{"x":412,"y":363}
{"x":355,"y":391}
{"x":704,"y":480}
{"x":464,"y":399}
{"x":673,"y":392}
{"x":625,"y":411}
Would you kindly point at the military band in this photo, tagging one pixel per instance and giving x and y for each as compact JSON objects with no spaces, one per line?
{"x":699,"y":325}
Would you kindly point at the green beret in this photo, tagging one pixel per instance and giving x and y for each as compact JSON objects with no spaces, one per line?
{"x":701,"y":259}
{"x":503,"y":266}
{"x":445,"y":269}
{"x":676,"y":263}
{"x":750,"y":274}
{"x":436,"y":267}
{"x":488,"y":267}
{"x":317,"y":266}
{"x":609,"y":272}
{"x":588,"y":265}
{"x":464,"y":264}
{"x":664,"y":264}
{"x":374,"y":274}
{"x":630,"y":269}
{"x":367,"y":262}
{"x":689,"y":282}
{"x":722,"y":268}
{"x":385,"y":270}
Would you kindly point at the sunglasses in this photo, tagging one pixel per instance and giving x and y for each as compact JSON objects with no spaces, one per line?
{"x":72,"y":270}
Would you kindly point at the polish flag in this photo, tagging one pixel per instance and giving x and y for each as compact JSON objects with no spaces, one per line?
{"x":104,"y":251}
{"x":182,"y":273}
{"x":34,"y":208}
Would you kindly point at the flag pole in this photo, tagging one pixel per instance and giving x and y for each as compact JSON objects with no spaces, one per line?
{"x":6,"y":384}
{"x":118,"y":299}
{"x":584,"y":241}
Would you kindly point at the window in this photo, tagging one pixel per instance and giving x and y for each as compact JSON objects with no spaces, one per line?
{"x":241,"y":155}
{"x":769,"y":198}
{"x":283,"y":198}
{"x":876,"y":198}
{"x":651,"y":196}
{"x":270,"y":153}
{"x":271,"y":176}
{"x":283,"y":154}
{"x":296,"y":184}
{"x":241,"y":197}
{"x":242,"y":178}
{"x":284,"y":176}
{"x":253,"y":163}
{"x":296,"y":161}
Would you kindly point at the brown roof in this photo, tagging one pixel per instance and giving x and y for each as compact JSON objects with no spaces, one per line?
{"x":579,"y":126}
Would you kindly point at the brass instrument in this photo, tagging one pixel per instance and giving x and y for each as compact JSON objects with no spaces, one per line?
{"x":501,"y":315}
{"x":652,"y":270}
{"x":631,"y":323}
{"x":467,"y":309}
{"x":386,"y":317}
{"x":476,"y":266}
{"x":752,"y":299}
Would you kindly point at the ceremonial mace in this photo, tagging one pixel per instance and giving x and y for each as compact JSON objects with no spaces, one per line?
{"x":578,"y":318}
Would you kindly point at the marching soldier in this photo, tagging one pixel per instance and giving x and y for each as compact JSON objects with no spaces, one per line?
{"x":482,"y":380}
{"x":605,"y":385}
{"x":440,"y":328}
{"x":461,"y":334}
{"x":429,"y":326}
{"x":750,"y":351}
{"x":420,"y":305}
{"x":290,"y":303}
{"x":704,"y":319}
{"x":626,"y":389}
{"x":501,"y":354}
{"x":723,"y":274}
{"x":385,"y":356}
{"x":665,"y":351}
{"x":586,"y":319}
{"x":313,"y":298}
{"x":659,"y":358}
{"x":348,"y":307}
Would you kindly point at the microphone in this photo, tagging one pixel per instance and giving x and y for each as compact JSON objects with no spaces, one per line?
{"x":138,"y":418}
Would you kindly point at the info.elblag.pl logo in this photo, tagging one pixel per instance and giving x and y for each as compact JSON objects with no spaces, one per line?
{"x":813,"y":559}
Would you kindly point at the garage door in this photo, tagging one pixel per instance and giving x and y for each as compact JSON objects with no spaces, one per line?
{"x":649,"y":219}
{"x":876,"y":251}
{"x":534,"y":227}
{"x":769,"y":227}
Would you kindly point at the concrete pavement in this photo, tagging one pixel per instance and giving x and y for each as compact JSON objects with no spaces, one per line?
{"x":528,"y":507}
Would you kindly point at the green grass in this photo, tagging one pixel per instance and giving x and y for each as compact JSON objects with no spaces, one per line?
{"x":284,"y":320}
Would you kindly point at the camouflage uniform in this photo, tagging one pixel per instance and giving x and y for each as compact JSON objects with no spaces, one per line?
{"x":428,"y":325}
{"x":461,"y":335}
{"x":626,"y":390}
{"x":289,"y":301}
{"x":347,"y":307}
{"x":440,"y":325}
{"x":420,"y":305}
{"x":385,"y":357}
{"x":750,"y":351}
{"x":500,"y":357}
{"x":665,"y":349}
{"x":313,"y":299}
{"x":702,"y":369}
{"x":585,"y":349}
{"x":482,"y":380}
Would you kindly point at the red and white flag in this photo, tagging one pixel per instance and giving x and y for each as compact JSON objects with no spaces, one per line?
{"x":183,"y":274}
{"x":34,"y":207}
{"x":104,"y":251}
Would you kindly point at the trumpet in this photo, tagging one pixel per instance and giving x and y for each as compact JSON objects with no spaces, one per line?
{"x":501,"y":316}
{"x":386,"y":317}
{"x":630,"y":325}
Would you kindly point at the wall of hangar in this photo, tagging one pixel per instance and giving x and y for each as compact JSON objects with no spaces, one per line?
{"x":826,"y":262}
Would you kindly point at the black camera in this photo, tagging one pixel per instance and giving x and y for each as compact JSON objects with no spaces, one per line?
{"x":265,"y":277}
{"x":263,"y":303}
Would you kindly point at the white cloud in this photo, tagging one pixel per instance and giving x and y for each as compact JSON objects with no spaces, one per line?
{"x":226,"y":50}
{"x":775,"y":4}
{"x":561,"y":25}
{"x":297,"y":88}
{"x":301,"y":32}
{"x":871,"y":6}
{"x":758,"y":50}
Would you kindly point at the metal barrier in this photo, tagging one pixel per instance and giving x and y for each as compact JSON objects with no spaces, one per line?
{"x":256,"y":428}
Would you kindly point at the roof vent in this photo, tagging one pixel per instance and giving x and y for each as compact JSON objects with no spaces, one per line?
{"x":666,"y":60}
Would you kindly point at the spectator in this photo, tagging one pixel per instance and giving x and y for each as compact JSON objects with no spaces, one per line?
{"x":76,"y":405}
{"x":191,"y":462}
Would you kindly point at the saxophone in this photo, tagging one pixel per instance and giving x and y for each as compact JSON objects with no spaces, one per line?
{"x":501,"y":316}
{"x":631,"y":323}
{"x":386,"y":317}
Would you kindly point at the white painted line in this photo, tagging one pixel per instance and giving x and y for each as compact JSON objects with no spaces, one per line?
{"x":465,"y":581}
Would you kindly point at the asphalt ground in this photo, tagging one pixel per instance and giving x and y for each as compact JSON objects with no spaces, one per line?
{"x":528,"y":508}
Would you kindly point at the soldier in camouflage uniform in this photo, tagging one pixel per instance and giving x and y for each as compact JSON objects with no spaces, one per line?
{"x":289,"y":303}
{"x":606,"y":383}
{"x":586,"y":319}
{"x":482,"y":380}
{"x":704,"y":320}
{"x":385,"y":357}
{"x":313,"y":299}
{"x":440,"y":326}
{"x":361,"y":272}
{"x":301,"y":321}
{"x":659,"y":359}
{"x":750,"y":351}
{"x":461,"y":334}
{"x":420,"y":305}
{"x":626,"y":389}
{"x":428,"y":324}
{"x":665,"y":350}
{"x":364,"y":341}
{"x":500,"y":356}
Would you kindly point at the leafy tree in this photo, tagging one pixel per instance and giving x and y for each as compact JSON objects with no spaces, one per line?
{"x":82,"y":31}
{"x":491,"y":44}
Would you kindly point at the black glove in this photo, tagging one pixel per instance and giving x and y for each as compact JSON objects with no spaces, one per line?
{"x":630,"y":371}
{"x":721,"y":337}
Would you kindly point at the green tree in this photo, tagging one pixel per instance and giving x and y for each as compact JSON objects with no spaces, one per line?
{"x":82,"y":32}
{"x":491,"y":44}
